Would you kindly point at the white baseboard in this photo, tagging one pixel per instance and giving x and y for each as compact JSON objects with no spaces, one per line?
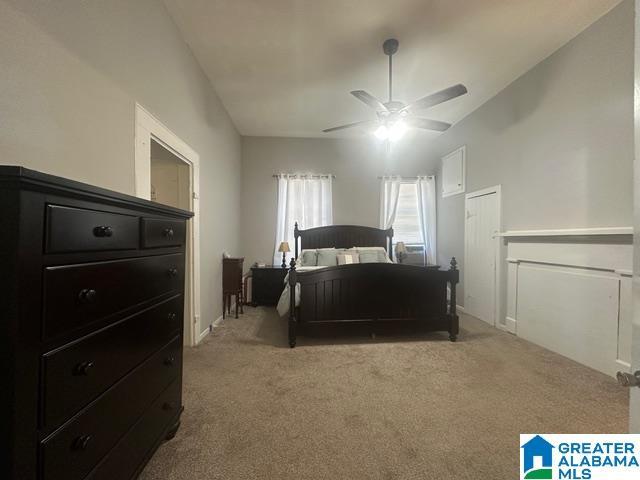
{"x":510,"y":325}
{"x":460,"y":308}
{"x":203,"y":335}
{"x":217,"y":322}
{"x":624,"y":366}
{"x":206,"y":332}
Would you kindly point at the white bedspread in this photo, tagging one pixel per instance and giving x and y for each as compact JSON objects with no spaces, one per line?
{"x":284,"y":302}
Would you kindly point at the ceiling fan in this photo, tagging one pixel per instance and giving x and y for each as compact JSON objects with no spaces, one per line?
{"x":395,"y":117}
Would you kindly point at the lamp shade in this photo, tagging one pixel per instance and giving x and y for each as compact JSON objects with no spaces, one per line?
{"x":401,"y":247}
{"x":284,"y":247}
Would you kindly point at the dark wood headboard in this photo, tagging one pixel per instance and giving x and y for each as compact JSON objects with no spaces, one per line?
{"x":342,"y":236}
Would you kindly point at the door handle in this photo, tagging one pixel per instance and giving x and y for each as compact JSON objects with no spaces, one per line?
{"x":629,"y":380}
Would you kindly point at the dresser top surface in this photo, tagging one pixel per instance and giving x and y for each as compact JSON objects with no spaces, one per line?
{"x":32,"y":179}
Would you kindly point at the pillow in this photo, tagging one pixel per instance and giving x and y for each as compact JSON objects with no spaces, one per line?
{"x":373,"y":254}
{"x":308,"y":258}
{"x":348,"y":258}
{"x":368,"y":256}
{"x":327,"y":257}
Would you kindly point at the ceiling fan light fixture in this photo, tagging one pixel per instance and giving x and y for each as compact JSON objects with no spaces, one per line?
{"x":397,"y":130}
{"x":391,"y":113}
{"x":382,"y":132}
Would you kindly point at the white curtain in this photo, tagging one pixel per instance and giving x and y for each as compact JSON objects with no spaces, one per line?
{"x":389,"y":194}
{"x":427,"y":213}
{"x":305,"y":199}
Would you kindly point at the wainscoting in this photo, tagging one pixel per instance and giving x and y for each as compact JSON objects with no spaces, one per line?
{"x":570,"y":291}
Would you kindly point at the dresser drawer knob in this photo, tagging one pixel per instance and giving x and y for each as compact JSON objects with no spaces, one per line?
{"x":103,"y":231}
{"x":173,"y":272}
{"x":84,"y":368}
{"x":87,"y":295}
{"x":167,"y":406}
{"x":82,"y":442}
{"x":169,"y":361}
{"x":168,"y":232}
{"x":172,"y":316}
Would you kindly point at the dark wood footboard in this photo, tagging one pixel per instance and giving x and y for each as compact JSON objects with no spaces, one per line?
{"x":374,"y":292}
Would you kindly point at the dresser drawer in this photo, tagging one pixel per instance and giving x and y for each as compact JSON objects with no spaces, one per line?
{"x":75,"y":295}
{"x":163,"y":232}
{"x":78,"y":230}
{"x":126,"y":458}
{"x":76,"y":448}
{"x":79,"y":372}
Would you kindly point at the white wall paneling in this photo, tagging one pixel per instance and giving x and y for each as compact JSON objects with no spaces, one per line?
{"x":573,"y":296}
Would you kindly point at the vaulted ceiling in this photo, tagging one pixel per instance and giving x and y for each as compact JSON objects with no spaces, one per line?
{"x":286,"y":67}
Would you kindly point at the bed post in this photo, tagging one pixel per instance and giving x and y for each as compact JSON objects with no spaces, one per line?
{"x":292,"y":299}
{"x":454,"y":276}
{"x":296,"y":234}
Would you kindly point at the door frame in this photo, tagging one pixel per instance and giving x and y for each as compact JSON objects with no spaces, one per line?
{"x":498,"y":246}
{"x":147,"y":128}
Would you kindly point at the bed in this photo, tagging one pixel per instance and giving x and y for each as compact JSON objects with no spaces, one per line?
{"x":367,"y":292}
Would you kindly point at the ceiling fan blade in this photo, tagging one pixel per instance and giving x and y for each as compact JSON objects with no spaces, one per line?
{"x":437,"y":98}
{"x":369,"y":99}
{"x":350,"y":125}
{"x":427,"y":124}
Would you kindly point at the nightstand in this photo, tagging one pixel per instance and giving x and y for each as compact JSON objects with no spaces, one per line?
{"x":232,"y":284}
{"x":267,"y":284}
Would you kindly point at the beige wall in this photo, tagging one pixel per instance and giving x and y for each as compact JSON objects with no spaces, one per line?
{"x":355,"y":163}
{"x":71,"y":75}
{"x":559,"y":139}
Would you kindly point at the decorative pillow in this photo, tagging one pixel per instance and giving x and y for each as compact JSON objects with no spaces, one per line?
{"x":371,"y":253}
{"x":368,"y":256}
{"x":308,"y":258}
{"x":327,"y":257}
{"x":348,"y":258}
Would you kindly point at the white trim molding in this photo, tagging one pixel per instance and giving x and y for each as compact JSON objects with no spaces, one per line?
{"x":147,"y":128}
{"x":573,"y":296}
{"x":203,"y":335}
{"x":568,"y":232}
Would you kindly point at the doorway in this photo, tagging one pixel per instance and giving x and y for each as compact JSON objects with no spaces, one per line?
{"x":170,"y":177}
{"x":481,"y":254}
{"x":167,"y":171}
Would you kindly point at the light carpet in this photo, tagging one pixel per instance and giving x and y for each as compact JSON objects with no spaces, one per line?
{"x":343,"y":405}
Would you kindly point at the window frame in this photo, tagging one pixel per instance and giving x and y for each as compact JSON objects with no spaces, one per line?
{"x":395,"y":236}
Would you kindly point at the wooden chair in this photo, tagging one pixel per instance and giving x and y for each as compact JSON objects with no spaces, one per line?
{"x":232,"y":284}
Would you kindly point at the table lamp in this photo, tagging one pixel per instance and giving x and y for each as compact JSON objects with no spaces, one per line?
{"x":401,"y":251}
{"x":284,"y":249}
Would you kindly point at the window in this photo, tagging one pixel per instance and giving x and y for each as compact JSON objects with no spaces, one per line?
{"x":409,"y":206}
{"x":305,"y":199}
{"x":406,"y":227}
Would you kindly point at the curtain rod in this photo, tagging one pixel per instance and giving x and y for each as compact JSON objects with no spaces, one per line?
{"x":301,"y":175}
{"x":407,"y":178}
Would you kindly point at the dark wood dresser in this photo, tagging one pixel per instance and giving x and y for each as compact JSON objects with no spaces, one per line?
{"x":267,"y":284}
{"x":91,"y":320}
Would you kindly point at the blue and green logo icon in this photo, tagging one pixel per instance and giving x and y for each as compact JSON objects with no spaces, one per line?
{"x":537,"y":460}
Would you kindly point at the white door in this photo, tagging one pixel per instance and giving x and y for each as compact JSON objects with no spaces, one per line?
{"x":482,"y":222}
